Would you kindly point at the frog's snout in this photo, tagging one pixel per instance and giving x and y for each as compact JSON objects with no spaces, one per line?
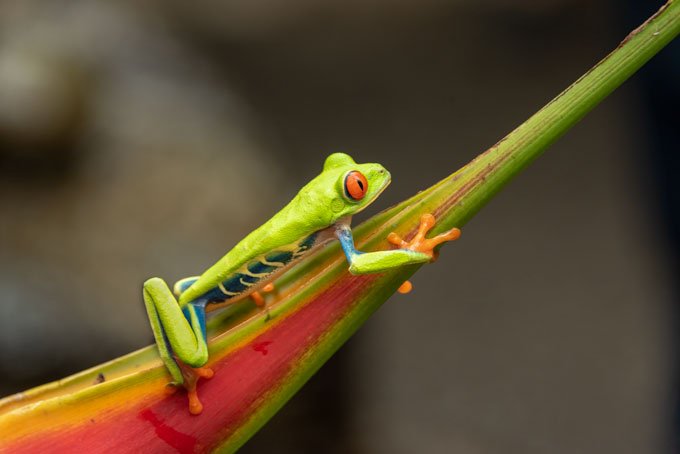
{"x":384,"y":175}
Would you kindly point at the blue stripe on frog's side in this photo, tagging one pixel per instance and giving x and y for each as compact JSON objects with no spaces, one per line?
{"x":254,"y":272}
{"x":185,"y":284}
{"x":258,"y":268}
{"x":199,"y":311}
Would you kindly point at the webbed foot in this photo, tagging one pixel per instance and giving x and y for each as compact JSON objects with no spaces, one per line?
{"x":191,"y":376}
{"x":259,"y":301}
{"x":257,"y":297}
{"x":421,"y":244}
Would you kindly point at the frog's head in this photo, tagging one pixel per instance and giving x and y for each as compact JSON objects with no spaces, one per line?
{"x":349,"y":187}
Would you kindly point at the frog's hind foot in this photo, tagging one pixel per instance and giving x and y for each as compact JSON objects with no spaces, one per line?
{"x":257,"y":297}
{"x":259,"y":301}
{"x":191,"y":376}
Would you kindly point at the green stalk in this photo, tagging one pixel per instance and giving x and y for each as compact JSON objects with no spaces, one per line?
{"x":519,"y":148}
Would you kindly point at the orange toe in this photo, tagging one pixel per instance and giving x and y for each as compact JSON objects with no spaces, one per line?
{"x":405,"y":288}
{"x":204,"y":372}
{"x":421,"y":244}
{"x":395,"y":239}
{"x":195,"y":405}
{"x":257,"y":296}
{"x":191,"y":376}
{"x":257,"y":299}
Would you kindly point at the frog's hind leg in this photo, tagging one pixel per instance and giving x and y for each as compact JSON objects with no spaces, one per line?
{"x":183,"y":284}
{"x":180,"y":335}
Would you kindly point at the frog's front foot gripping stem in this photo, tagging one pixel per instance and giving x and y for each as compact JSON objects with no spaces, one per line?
{"x":418,"y":250}
{"x":421,"y":244}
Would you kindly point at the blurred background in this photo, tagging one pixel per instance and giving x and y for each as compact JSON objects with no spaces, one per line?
{"x":145,"y":138}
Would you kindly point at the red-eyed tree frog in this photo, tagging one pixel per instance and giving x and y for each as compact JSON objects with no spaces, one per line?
{"x":319,"y":213}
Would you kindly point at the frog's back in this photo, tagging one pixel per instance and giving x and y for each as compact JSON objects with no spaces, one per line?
{"x":261,"y":255}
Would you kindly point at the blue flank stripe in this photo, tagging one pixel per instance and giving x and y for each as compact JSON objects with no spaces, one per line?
{"x":249,"y":279}
{"x":307,"y":242}
{"x":215,"y":295}
{"x":259,"y":268}
{"x":199,"y":310}
{"x":186,"y":284}
{"x":233,"y":284}
{"x":279,"y":256}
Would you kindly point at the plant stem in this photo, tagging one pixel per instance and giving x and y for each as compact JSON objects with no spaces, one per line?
{"x":510,"y":155}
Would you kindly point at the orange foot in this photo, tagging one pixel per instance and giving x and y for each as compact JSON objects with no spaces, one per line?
{"x":258,"y":299}
{"x":421,"y":244}
{"x":191,"y":376}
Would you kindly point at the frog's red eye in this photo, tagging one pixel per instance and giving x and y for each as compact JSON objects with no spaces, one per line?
{"x":356,"y":185}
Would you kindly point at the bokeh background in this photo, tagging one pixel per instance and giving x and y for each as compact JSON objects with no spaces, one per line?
{"x":142,"y":138}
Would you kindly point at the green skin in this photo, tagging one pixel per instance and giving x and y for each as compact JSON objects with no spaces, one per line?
{"x":321,"y":211}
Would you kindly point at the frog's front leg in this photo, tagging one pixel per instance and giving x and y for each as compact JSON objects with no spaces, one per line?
{"x":418,"y":250}
{"x":179,"y":332}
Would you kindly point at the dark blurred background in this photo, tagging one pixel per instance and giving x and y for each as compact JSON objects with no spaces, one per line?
{"x":144,"y":138}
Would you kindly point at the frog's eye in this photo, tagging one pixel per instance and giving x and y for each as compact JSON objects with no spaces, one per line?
{"x":356,"y":185}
